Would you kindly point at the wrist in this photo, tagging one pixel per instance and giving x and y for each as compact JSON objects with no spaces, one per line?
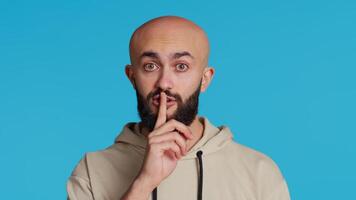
{"x":144,"y":184}
{"x":139,"y":189}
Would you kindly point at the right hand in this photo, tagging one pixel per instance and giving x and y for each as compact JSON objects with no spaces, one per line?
{"x":166,"y":145}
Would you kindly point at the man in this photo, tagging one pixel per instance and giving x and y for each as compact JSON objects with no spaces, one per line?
{"x":173,"y":153}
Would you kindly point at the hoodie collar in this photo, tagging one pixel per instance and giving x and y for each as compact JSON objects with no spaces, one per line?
{"x":213,"y":139}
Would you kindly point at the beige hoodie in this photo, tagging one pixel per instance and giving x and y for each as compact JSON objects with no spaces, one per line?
{"x":230,"y":171}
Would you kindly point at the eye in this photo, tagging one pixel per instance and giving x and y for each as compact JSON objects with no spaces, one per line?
{"x":150,"y":67}
{"x":182,"y":67}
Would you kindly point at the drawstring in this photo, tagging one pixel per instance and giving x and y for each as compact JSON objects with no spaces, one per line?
{"x":154,"y":194}
{"x":200,"y":179}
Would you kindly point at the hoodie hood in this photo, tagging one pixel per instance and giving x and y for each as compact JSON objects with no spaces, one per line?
{"x":213,"y":139}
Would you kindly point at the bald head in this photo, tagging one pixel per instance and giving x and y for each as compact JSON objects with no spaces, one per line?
{"x":169,"y":35}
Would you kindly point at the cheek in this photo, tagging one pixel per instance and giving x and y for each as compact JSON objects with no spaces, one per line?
{"x":144,"y":84}
{"x":187,"y":88}
{"x":191,"y":81}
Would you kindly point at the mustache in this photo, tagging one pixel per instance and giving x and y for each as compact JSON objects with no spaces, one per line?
{"x":177,"y":97}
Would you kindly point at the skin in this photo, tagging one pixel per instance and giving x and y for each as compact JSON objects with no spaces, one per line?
{"x":167,"y":53}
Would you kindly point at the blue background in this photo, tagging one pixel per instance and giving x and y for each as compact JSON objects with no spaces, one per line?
{"x":284,"y":83}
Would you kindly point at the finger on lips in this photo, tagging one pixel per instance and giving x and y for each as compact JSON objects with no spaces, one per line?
{"x":170,"y":135}
{"x":162,"y":112}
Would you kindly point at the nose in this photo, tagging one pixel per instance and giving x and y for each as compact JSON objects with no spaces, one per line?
{"x":165,"y":81}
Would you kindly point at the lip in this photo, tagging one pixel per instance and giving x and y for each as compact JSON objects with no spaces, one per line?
{"x":170,"y":103}
{"x":169,"y":98}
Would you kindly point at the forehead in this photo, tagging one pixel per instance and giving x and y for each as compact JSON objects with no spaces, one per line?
{"x":167,"y":41}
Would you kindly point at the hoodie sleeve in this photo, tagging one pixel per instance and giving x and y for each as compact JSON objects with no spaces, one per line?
{"x":78,"y":185}
{"x":280,"y":193}
{"x":272,"y":185}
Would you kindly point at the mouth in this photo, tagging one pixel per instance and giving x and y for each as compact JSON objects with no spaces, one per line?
{"x":170,"y":100}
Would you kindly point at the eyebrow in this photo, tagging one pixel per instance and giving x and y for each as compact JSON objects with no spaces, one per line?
{"x":150,"y":54}
{"x":181,"y":54}
{"x":177,"y":55}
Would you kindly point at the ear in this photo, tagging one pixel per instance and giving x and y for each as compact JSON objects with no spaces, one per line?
{"x":129,"y":71}
{"x":208,"y":75}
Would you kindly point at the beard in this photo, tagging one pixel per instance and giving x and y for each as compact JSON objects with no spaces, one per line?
{"x":185,"y":113}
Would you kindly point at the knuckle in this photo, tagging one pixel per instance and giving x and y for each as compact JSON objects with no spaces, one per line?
{"x":173,"y":135}
{"x":178,"y":136}
{"x":151,"y":146}
{"x":150,"y":141}
{"x":174,"y":145}
{"x":175,"y":149}
{"x":172,"y":122}
{"x":151,"y":134}
{"x":150,"y":138}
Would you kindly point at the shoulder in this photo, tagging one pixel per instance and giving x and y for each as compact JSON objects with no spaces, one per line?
{"x":251,"y":155}
{"x":114,"y":155}
{"x":255,"y":159}
{"x":267,"y":174}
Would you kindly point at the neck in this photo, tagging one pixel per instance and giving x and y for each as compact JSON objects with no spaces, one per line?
{"x":197,"y":128}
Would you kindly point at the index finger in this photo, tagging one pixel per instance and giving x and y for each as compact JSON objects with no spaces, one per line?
{"x":162,"y":112}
